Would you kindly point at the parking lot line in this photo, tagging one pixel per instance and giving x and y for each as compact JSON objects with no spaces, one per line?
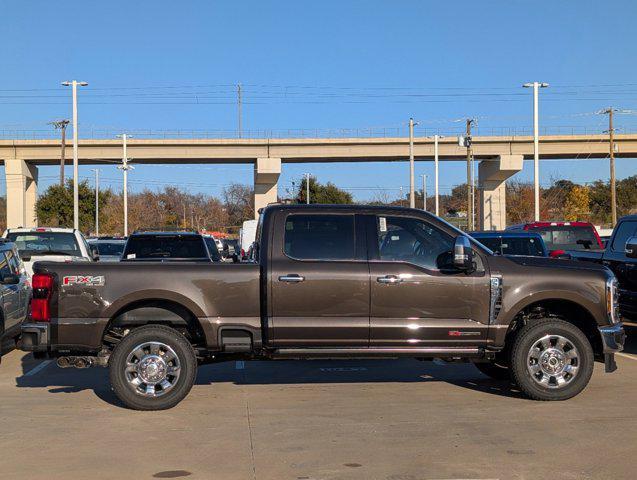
{"x":38,"y":368}
{"x":627,"y":355}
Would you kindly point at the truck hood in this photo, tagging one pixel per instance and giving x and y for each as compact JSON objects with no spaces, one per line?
{"x":560,"y":263}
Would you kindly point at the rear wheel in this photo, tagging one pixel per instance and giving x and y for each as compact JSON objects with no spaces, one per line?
{"x":551,"y":360}
{"x":152,"y":368}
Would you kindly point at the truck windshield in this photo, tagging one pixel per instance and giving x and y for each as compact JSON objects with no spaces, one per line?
{"x":513,"y":246}
{"x":568,"y":237}
{"x":45,"y":243}
{"x":165,"y":246}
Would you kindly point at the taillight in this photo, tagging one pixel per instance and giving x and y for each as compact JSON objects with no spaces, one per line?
{"x":42,"y":285}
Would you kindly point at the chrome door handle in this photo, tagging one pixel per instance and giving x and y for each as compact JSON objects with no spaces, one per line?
{"x":389,"y":279}
{"x":291,"y":277}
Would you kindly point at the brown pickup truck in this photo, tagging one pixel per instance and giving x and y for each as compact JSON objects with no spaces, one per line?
{"x":331,"y":282}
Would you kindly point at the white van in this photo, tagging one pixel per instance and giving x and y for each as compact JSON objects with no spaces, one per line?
{"x":247,"y":235}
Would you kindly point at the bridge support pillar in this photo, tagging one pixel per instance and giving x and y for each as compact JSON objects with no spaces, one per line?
{"x":492,"y":176}
{"x":266,"y":177}
{"x":22,"y":186}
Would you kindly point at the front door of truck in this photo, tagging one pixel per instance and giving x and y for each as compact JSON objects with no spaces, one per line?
{"x":319,"y":281}
{"x":417,"y":299}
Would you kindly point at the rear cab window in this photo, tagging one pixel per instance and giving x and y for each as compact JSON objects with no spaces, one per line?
{"x":568,"y":237}
{"x":526,"y":246}
{"x":156,"y":247}
{"x":320,"y":237}
{"x":45,"y":243}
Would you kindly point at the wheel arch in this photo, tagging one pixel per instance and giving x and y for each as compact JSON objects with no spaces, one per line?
{"x":565,"y":309}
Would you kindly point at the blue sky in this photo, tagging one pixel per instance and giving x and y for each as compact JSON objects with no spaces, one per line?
{"x":164,"y":65}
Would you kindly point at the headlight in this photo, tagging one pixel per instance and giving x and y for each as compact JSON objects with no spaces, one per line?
{"x":612,"y":301}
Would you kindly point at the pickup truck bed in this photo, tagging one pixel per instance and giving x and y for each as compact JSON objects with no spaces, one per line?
{"x":331,"y":281}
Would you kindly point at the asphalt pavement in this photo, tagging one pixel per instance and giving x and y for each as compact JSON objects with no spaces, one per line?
{"x":310,"y":420}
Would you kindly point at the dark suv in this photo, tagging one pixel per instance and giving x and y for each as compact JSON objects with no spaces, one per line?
{"x":15,"y":295}
{"x":170,"y":246}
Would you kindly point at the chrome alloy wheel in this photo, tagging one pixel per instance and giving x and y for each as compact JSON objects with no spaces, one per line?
{"x":152,"y":369}
{"x":553,"y":361}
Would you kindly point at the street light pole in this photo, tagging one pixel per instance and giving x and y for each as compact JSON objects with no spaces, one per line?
{"x":424,"y":192}
{"x":97,"y":202}
{"x":76,"y":195}
{"x":536,"y":145}
{"x":436,"y":192}
{"x":125,"y":167}
{"x":412,"y":180}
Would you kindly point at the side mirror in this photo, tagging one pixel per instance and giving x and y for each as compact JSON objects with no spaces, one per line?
{"x":463,"y":254}
{"x":631,"y":247}
{"x":95,"y":253}
{"x":10,"y":279}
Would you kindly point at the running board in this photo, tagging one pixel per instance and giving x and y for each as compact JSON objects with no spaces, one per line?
{"x":374,"y":352}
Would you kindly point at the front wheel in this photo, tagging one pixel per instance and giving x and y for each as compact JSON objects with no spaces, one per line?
{"x":551,"y":360}
{"x":152,"y":368}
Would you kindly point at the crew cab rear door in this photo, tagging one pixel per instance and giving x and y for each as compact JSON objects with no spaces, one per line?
{"x":417,"y":300}
{"x":318,"y":280}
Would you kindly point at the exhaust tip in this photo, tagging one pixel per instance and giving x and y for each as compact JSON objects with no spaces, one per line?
{"x":63,"y":362}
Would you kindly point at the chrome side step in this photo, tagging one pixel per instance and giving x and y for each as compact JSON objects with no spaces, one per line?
{"x":375,"y":352}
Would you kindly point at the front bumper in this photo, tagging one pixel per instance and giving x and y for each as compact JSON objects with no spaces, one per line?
{"x":35,"y":337}
{"x":613,"y":338}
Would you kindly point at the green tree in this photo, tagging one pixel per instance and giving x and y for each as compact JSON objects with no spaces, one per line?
{"x":323,"y":194}
{"x":54,"y":208}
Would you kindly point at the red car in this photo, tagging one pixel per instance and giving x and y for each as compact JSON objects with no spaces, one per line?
{"x":560,"y":237}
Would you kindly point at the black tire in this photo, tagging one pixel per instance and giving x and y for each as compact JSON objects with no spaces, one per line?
{"x":494,"y":370}
{"x":527,"y":337}
{"x":186,"y":360}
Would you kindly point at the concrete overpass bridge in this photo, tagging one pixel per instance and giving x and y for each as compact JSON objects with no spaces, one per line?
{"x":499,"y":158}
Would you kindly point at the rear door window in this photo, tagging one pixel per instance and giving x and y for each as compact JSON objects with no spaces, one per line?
{"x":320,"y":237}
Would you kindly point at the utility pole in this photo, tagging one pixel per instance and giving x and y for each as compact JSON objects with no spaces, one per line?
{"x":536,"y":144}
{"x":239,"y":133}
{"x":412,"y":194}
{"x":469,"y":177}
{"x":424,"y":192}
{"x":97,"y":202}
{"x":61,"y":125}
{"x":125,"y":167}
{"x":307,"y":188}
{"x":436,"y":192}
{"x":613,"y":182}
{"x":76,"y":194}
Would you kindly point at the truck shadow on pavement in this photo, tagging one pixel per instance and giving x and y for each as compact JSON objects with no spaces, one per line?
{"x":297,"y":372}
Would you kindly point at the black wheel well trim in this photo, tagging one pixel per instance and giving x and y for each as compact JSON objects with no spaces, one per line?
{"x":192,"y":323}
{"x":576,"y":314}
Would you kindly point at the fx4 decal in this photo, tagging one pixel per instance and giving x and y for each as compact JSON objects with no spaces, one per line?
{"x":87,"y":280}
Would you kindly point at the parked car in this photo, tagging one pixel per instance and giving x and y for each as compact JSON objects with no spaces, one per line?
{"x":339,"y":281}
{"x":51,"y":244}
{"x":170,"y":246}
{"x":230,"y":249}
{"x":247,"y":234}
{"x":513,"y":243}
{"x":620,"y":256}
{"x":110,"y":249}
{"x":559,"y":237}
{"x":15,"y":295}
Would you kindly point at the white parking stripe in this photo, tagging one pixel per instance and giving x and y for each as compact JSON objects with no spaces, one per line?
{"x":38,"y":368}
{"x":239,"y":365}
{"x":627,"y":355}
